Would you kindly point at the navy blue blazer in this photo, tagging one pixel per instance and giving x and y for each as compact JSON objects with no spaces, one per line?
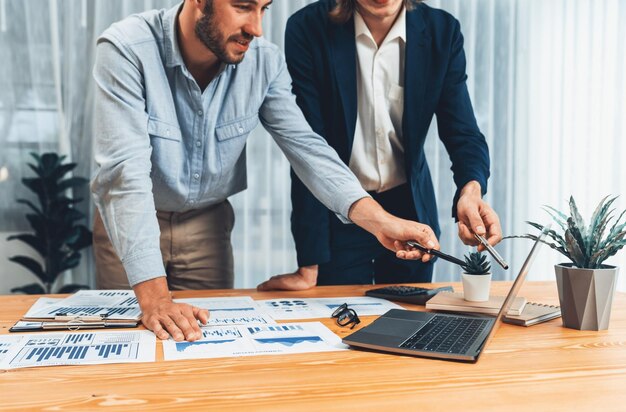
{"x":321,"y":58}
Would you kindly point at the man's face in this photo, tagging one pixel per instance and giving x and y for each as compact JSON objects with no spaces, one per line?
{"x":379,"y":8}
{"x":228,"y":26}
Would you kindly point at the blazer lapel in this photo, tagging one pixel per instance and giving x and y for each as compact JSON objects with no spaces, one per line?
{"x":417,"y":61}
{"x":343,"y":49}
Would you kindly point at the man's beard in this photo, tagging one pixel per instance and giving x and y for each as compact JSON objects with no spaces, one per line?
{"x":207,"y":31}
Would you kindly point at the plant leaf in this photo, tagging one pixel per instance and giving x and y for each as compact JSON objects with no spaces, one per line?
{"x":559,"y":217}
{"x":576,"y":217}
{"x":573,"y":247}
{"x":32,"y":265}
{"x":32,"y":289}
{"x":72,"y":182}
{"x":31,"y":205}
{"x":33,"y":241}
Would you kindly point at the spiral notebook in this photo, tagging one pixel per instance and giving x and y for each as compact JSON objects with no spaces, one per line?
{"x":533,"y":313}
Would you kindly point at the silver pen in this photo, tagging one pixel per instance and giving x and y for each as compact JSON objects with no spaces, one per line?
{"x":491,"y":251}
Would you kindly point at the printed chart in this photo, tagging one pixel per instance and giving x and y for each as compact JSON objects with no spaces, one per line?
{"x":231,"y":310}
{"x":220,"y":341}
{"x":80,"y":349}
{"x":6,"y":343}
{"x":112,"y":304}
{"x":312,"y":308}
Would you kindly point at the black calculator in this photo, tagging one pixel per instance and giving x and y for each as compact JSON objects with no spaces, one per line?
{"x":408,"y":294}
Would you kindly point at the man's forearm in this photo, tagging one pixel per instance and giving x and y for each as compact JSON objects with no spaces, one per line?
{"x":368,"y":214}
{"x":152,"y":291}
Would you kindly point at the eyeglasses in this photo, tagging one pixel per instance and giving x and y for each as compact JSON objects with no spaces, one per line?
{"x":346,"y":316}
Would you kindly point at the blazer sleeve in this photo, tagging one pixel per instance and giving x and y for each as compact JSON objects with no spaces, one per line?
{"x":457,"y":125}
{"x":310,"y":219}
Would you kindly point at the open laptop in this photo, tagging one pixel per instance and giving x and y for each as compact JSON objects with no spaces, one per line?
{"x":438,"y":335}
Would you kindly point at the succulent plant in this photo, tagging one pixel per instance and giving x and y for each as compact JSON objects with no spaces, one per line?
{"x":476,"y":264}
{"x":584,"y":245}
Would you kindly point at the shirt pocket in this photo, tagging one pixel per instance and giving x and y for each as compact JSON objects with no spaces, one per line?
{"x":231,"y":138}
{"x":163,"y":130}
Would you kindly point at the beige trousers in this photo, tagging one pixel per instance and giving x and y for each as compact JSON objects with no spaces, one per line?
{"x":196,"y":249}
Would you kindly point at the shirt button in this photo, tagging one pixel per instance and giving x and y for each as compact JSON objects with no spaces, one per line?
{"x":167,"y":132}
{"x":196,"y":176}
{"x":198,"y":143}
{"x":240,"y":130}
{"x":191,"y":202}
{"x":200,"y":112}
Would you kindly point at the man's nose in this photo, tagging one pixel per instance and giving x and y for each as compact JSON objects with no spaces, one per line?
{"x":254,"y":25}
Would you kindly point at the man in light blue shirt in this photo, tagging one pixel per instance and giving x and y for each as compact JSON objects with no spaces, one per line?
{"x":175,"y":102}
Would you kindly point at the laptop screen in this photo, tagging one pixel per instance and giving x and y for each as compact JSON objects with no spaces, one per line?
{"x":517,"y":284}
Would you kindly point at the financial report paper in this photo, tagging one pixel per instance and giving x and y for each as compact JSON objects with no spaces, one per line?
{"x":250,"y":340}
{"x":85,"y":348}
{"x":113,"y":304}
{"x":311,"y":308}
{"x":231,"y":310}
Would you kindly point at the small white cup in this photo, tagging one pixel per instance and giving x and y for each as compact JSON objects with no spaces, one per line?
{"x":476,"y":287}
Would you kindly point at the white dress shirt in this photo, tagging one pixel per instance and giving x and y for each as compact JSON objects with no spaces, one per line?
{"x":377,"y":157}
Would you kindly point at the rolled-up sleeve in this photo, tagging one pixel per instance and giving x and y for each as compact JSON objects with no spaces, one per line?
{"x":122,"y":187}
{"x":312,"y":159}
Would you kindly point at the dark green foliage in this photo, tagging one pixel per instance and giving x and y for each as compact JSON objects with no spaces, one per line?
{"x":57,"y":236}
{"x":584,"y":245}
{"x":476,"y":264}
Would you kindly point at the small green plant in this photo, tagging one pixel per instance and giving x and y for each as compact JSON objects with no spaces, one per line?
{"x":476,"y":264}
{"x":584,"y":245}
{"x":57,"y":236}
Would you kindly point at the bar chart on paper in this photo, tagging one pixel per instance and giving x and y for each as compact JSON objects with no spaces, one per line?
{"x":81,"y":348}
{"x":250,"y":340}
{"x":240,"y":310}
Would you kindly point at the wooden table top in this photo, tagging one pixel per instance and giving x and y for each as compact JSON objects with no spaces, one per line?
{"x":543,"y":367}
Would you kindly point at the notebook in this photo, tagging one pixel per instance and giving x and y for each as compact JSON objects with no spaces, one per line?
{"x":454,"y":302}
{"x":533,"y":314}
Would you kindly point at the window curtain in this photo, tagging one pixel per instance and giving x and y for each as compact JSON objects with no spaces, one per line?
{"x":547,"y":80}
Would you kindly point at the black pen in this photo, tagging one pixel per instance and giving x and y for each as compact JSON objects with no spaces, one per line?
{"x":435,"y":252}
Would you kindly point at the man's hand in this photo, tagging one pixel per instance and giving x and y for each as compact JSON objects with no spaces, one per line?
{"x":391,"y":231}
{"x":304,"y":278}
{"x":164,"y":317}
{"x":476,"y":216}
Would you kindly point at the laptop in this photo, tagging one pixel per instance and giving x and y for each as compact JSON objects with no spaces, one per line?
{"x":460,"y":337}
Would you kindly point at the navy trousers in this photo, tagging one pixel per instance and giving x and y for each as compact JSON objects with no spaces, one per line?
{"x":357,"y":258}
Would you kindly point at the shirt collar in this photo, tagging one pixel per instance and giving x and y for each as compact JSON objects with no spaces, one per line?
{"x":173,"y":55}
{"x":398,"y":30}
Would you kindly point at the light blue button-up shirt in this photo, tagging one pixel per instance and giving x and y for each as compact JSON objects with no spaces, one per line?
{"x":161,"y":143}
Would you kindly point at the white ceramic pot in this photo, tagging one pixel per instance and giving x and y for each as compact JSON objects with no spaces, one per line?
{"x":476,"y":287}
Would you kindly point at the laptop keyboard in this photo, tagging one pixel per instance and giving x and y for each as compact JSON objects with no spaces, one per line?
{"x":446,"y":334}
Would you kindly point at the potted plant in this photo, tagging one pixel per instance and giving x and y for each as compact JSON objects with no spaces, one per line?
{"x":586,"y":285}
{"x":57,"y":235}
{"x":476,"y":278}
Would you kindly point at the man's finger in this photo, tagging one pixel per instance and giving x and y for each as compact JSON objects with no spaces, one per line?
{"x":160,"y":333}
{"x":475,"y":222}
{"x":170,"y":326}
{"x":186,"y":326}
{"x":466,"y":235}
{"x":188,"y":313}
{"x":201,"y":314}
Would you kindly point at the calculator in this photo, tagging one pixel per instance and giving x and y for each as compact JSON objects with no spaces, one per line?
{"x":408,"y":294}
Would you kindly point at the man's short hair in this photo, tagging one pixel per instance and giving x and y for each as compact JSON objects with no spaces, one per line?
{"x":344,"y":10}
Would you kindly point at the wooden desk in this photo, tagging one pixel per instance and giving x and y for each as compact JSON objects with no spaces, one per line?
{"x":544,"y":367}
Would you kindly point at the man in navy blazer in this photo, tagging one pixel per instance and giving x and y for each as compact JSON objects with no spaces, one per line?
{"x":369,"y":75}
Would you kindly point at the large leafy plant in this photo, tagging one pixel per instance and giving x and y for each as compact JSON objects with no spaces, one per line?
{"x":57,"y":235}
{"x":586,"y":246}
{"x":476,"y":264}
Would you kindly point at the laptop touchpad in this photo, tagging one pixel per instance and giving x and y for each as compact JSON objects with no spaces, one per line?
{"x":395,"y":327}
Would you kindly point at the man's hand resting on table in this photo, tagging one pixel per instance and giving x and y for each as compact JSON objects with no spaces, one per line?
{"x":390,"y":231}
{"x":165,"y":317}
{"x":303,"y":278}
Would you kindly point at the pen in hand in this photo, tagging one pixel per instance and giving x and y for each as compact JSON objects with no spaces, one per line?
{"x":435,"y":252}
{"x":491,"y":251}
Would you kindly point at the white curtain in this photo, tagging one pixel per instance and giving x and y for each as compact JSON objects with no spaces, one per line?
{"x":547,"y":79}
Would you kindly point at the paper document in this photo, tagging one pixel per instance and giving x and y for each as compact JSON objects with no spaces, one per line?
{"x":48,"y":349}
{"x":231,"y":310}
{"x":113,"y":304}
{"x":279,"y":339}
{"x":40,"y":304}
{"x":288,"y":309}
{"x":6,"y":343}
